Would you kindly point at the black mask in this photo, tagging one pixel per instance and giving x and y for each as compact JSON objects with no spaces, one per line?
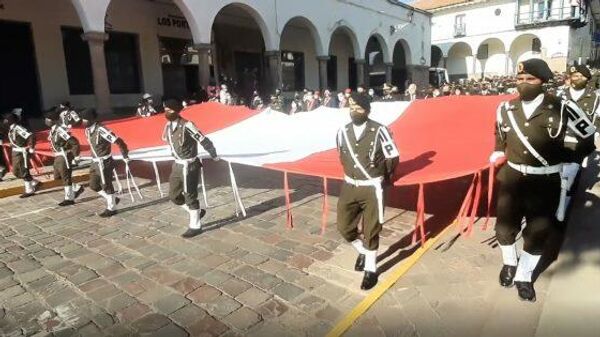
{"x":87,"y":122}
{"x":358,"y":118}
{"x":172,"y":116}
{"x":578,"y":85}
{"x":49,"y":123}
{"x":529,"y":92}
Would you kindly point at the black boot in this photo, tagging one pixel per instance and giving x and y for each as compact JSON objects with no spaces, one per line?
{"x":360,"y":263}
{"x":526,"y":291}
{"x":190,"y":233}
{"x":507,"y":274}
{"x":107,"y":213}
{"x":66,"y":203}
{"x":369,"y":280}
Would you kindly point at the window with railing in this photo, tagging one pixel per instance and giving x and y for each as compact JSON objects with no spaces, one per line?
{"x":540,"y":11}
{"x":460,"y":28}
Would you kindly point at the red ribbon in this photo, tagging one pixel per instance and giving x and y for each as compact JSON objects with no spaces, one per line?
{"x":325,"y":206}
{"x":288,"y":204}
{"x":420,"y":221}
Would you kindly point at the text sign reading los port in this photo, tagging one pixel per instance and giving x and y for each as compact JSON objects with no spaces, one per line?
{"x":173,"y":21}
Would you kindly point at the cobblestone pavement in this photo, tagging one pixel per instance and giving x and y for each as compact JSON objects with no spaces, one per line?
{"x":67,"y":272}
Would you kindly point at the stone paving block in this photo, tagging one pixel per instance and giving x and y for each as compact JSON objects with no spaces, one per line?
{"x":162,"y":275}
{"x":118,"y":302}
{"x":216,"y":277}
{"x":188,"y":315}
{"x":204,"y":294}
{"x":272,"y":266}
{"x":92,"y":285}
{"x":253,"y":297}
{"x":234,"y":287}
{"x":213,"y":261}
{"x":243,"y":318}
{"x":133,"y":312}
{"x":150,"y":323}
{"x":222,"y":306}
{"x":170,"y":304}
{"x":187,"y":285}
{"x":61,"y":297}
{"x":207,"y":326}
{"x":82,"y":276}
{"x":287,"y":291}
{"x":257,"y":277}
{"x":271,"y":309}
{"x":104,"y":292}
{"x":170,"y":330}
{"x":253,"y":259}
{"x":103,"y":320}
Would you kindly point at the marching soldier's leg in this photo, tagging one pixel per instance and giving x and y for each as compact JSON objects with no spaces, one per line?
{"x":63,"y":173}
{"x":107,"y":190}
{"x":371,"y":230}
{"x":509,"y":214}
{"x":348,"y":215}
{"x":542,"y":200}
{"x":21,"y":171}
{"x":176,"y":185}
{"x":191,"y":200}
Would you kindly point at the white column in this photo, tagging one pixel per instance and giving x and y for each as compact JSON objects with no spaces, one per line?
{"x":323,"y":83}
{"x":274,"y":58}
{"x":361,"y":73}
{"x":204,"y":51}
{"x":100,"y":75}
{"x":389,"y":67}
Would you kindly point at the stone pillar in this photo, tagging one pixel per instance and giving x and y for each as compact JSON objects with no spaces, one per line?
{"x":323,"y":82}
{"x":445,"y":60}
{"x":204,"y":52}
{"x":418,"y":75}
{"x":274,"y":60}
{"x":100,"y":75}
{"x":361,"y":73}
{"x":389,"y":67}
{"x":506,"y":64}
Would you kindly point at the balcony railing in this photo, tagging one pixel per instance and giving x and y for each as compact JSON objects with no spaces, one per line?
{"x":540,"y":16}
{"x":460,"y":29}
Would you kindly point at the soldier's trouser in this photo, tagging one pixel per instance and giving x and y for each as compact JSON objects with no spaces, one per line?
{"x":101,"y":176}
{"x":534,"y":197}
{"x":352,"y":202}
{"x":183,"y":184}
{"x":20,"y":167}
{"x":62,"y":171}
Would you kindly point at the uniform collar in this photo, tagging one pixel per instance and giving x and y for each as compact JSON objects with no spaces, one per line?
{"x":575,"y":94}
{"x":531,"y":108}
{"x":12,"y":126}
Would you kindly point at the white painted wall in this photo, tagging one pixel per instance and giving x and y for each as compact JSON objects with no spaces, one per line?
{"x":363,"y":18}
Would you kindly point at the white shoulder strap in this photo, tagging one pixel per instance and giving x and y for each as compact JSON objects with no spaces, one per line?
{"x":353,"y":155}
{"x":524,"y":140}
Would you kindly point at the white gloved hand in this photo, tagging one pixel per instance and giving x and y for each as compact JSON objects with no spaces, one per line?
{"x":495,"y":156}
{"x":30,"y":150}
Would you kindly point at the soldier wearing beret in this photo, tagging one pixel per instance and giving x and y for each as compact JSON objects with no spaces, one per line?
{"x":183,"y":138}
{"x":101,"y":139}
{"x":66,"y":150}
{"x":369,"y":157}
{"x":530,"y":134}
{"x":22,"y":143}
{"x":587,"y":99}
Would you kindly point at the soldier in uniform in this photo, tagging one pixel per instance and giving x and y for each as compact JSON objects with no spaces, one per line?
{"x":66,"y":150}
{"x":22,"y":144}
{"x":587,"y":99}
{"x":257,"y":102}
{"x":183,"y":138}
{"x":101,"y":139}
{"x":68,"y":116}
{"x":277,"y":101}
{"x":145,"y":107}
{"x":530,"y":135}
{"x":369,"y":157}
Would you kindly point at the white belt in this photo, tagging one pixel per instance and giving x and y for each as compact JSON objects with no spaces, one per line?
{"x":536,"y":170}
{"x":20,"y":149}
{"x":368,"y":182}
{"x":376,"y":183}
{"x":185,"y":161}
{"x":571,"y":139}
{"x":101,"y":159}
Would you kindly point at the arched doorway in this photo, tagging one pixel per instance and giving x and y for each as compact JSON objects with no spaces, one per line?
{"x":460,"y":61}
{"x":524,"y":47}
{"x":375,"y":61}
{"x":437,"y":57}
{"x":240,"y":51}
{"x":492,"y":58}
{"x":343,"y":49}
{"x":400,"y":60}
{"x":300,"y":47}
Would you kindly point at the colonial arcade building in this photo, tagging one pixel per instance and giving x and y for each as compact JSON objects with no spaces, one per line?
{"x":483,"y":38}
{"x":106,"y":53}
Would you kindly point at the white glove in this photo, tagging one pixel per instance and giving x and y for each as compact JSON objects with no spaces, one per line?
{"x":216,"y":158}
{"x":30,"y":150}
{"x":495,"y":156}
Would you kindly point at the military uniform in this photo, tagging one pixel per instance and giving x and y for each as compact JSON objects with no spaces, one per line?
{"x":368,"y":159}
{"x":65,"y":148}
{"x":101,"y":139}
{"x":183,"y":138}
{"x":277,"y":103}
{"x":145,"y":110}
{"x":19,"y":137}
{"x":588,"y":101}
{"x":69,"y":118}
